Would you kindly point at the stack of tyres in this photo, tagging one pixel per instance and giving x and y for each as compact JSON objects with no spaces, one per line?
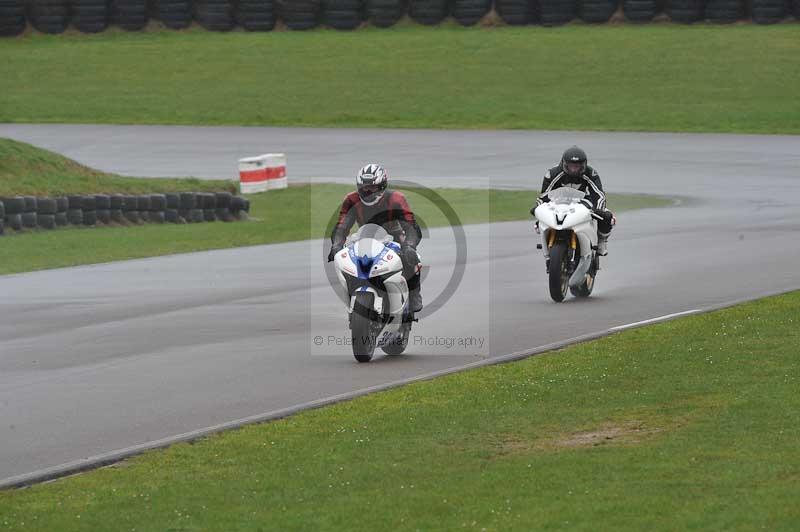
{"x":12,"y":17}
{"x":173,"y":204}
{"x":46,"y":209}
{"x":143,"y":207}
{"x":256,"y":15}
{"x":2,"y":217}
{"x":557,"y":12}
{"x":115,"y":203}
{"x":224,"y":206}
{"x":685,"y":11}
{"x":215,"y":15}
{"x":158,"y":205}
{"x":343,"y":14}
{"x":130,"y":15}
{"x":130,"y":209}
{"x":187,"y":205}
{"x":796,"y":9}
{"x":240,"y":208}
{"x":175,"y":14}
{"x":89,"y":210}
{"x":597,"y":11}
{"x":428,"y":12}
{"x":723,"y":11}
{"x":75,"y":210}
{"x":518,"y":12}
{"x":209,"y":206}
{"x":62,"y":204}
{"x":639,"y":10}
{"x":29,"y":217}
{"x":300,"y":14}
{"x":14,"y":207}
{"x":90,"y":16}
{"x":469,"y":12}
{"x":102,"y":203}
{"x":49,"y":16}
{"x":384,"y":13}
{"x":768,"y":11}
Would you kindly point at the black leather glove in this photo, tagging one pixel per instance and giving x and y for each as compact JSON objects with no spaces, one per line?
{"x":602,"y":214}
{"x":335,"y":248}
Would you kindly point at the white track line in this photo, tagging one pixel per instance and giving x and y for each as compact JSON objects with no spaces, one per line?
{"x":654,"y":320}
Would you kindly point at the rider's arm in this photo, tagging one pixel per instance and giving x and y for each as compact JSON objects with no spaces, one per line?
{"x":407,"y":220}
{"x":345,"y":223}
{"x":595,"y":190}
{"x":546,"y":181}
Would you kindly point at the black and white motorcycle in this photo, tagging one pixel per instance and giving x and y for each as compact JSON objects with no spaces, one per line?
{"x":569,"y":240}
{"x":370,"y":270}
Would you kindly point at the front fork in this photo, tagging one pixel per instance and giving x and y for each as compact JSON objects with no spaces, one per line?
{"x":549,"y":239}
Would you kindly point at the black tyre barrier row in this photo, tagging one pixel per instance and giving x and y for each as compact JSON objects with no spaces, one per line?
{"x":28,"y":212}
{"x":470,"y":12}
{"x":93,"y":16}
{"x":256,"y":15}
{"x":12,"y":17}
{"x":428,"y":12}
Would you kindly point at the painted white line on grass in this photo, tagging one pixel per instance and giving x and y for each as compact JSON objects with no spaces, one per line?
{"x":654,"y":320}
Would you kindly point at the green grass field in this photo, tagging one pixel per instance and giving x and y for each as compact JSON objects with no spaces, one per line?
{"x":738,"y":78}
{"x":296,"y":213}
{"x":687,"y":425}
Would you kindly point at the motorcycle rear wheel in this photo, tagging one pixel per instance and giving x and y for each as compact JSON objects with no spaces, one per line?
{"x":559,"y":268}
{"x":585,"y":288}
{"x":398,"y":345}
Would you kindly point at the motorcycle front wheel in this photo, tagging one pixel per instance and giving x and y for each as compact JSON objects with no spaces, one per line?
{"x":559,"y":272}
{"x":363,"y":328}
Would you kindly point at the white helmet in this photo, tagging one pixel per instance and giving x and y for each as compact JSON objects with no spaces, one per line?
{"x":371,"y":183}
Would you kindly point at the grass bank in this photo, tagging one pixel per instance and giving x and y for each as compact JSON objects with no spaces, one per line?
{"x":296,"y":213}
{"x":690,"y":424}
{"x":739,"y":78}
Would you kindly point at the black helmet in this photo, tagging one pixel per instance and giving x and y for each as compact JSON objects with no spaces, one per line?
{"x":573,"y":162}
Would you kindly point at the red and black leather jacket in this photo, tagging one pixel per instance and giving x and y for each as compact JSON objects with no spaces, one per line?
{"x":391,"y":212}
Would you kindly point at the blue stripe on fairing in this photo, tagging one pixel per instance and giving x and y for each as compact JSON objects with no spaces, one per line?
{"x":364,"y":263}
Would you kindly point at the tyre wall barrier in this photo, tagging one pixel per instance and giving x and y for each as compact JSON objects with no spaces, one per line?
{"x":12,"y":17}
{"x":93,"y":16}
{"x":24,"y":213}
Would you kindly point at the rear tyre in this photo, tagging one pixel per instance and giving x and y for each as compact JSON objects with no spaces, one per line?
{"x":399,"y":342}
{"x":559,"y":272}
{"x":585,"y":289}
{"x":363,"y":328}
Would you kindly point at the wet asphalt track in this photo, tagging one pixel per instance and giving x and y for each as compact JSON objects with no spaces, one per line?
{"x":101,"y":358}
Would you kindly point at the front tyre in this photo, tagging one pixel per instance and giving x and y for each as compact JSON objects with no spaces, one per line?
{"x":363,"y":328}
{"x":559,"y":272}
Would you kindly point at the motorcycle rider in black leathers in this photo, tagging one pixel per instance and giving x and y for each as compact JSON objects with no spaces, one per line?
{"x":576,"y":173}
{"x":372,"y":203}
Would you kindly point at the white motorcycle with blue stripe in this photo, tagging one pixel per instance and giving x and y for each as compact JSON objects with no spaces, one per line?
{"x":371,"y":272}
{"x":569,"y":239}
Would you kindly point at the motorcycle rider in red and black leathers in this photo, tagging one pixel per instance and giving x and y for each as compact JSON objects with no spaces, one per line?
{"x":576,"y":173}
{"x":373,"y":203}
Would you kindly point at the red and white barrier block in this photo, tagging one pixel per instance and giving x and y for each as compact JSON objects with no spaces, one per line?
{"x":264,"y":172}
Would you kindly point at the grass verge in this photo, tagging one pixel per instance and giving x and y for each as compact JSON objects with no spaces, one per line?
{"x":615,"y":77}
{"x":276,"y":216}
{"x":690,"y":424}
